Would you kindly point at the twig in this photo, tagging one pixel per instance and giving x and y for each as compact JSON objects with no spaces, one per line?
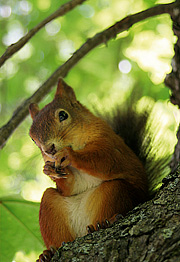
{"x":62,"y":71}
{"x":18,"y":45}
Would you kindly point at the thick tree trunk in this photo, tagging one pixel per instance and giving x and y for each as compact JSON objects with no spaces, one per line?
{"x":151,"y":232}
{"x":172,"y":81}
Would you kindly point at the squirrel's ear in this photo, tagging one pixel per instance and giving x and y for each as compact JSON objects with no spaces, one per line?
{"x":63,"y":90}
{"x":33,"y":110}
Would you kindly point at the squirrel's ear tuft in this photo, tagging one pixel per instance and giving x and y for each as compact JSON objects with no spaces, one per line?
{"x":63,"y":90}
{"x":33,"y":110}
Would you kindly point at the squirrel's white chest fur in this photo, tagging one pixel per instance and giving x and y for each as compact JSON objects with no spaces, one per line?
{"x":84,"y":186}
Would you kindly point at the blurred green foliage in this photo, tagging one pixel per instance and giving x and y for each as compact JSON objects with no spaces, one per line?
{"x":19,"y":232}
{"x":99,"y":79}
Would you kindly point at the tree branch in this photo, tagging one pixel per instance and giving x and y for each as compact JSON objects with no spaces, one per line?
{"x":172,"y":81}
{"x":102,"y":37}
{"x":18,"y":45}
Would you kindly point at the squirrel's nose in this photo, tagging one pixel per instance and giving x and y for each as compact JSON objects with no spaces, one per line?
{"x":51,"y":150}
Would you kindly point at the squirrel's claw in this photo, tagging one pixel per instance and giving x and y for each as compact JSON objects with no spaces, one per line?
{"x":60,"y":172}
{"x":103,"y":225}
{"x":98,"y":226}
{"x":47,"y":255}
{"x":90,"y":229}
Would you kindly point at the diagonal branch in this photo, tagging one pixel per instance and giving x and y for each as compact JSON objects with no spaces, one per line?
{"x":91,"y":43}
{"x":18,"y":45}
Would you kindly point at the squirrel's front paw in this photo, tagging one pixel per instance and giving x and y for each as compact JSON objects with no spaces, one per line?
{"x":53,"y":172}
{"x":49,"y":168}
{"x":63,"y":158}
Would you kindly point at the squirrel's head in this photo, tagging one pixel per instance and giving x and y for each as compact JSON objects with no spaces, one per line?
{"x":59,"y":123}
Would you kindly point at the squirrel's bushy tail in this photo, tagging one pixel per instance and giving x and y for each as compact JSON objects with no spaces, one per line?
{"x":138,"y":133}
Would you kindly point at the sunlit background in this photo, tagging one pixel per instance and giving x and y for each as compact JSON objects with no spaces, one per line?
{"x":140,"y":57}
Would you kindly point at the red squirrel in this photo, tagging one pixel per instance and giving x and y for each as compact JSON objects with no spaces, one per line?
{"x":97,"y":174}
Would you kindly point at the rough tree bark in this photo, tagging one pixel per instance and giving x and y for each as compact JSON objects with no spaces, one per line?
{"x":172,"y":81}
{"x":151,"y":232}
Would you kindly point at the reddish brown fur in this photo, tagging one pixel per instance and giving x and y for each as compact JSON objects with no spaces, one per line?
{"x":91,"y":150}
{"x":112,"y":197}
{"x":54,"y":226}
{"x":65,"y":185}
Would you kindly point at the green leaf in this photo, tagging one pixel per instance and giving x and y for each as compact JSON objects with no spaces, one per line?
{"x":19,"y":228}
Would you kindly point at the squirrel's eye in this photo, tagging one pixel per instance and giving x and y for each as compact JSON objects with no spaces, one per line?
{"x":62,"y":116}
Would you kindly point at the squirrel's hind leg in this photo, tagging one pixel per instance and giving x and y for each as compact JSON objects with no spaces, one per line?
{"x":111,"y":200}
{"x":53,"y":219}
